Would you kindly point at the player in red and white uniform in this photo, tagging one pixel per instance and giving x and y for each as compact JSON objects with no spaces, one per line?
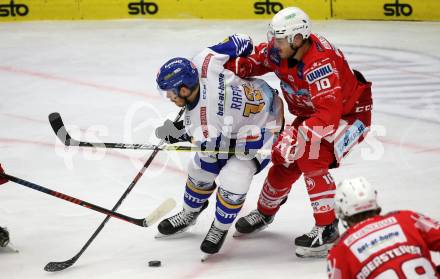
{"x":2,"y":179}
{"x":4,"y":234}
{"x":394,"y":245}
{"x":333,"y":108}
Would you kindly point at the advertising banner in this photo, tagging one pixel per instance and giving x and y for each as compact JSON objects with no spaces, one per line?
{"x":18,"y":10}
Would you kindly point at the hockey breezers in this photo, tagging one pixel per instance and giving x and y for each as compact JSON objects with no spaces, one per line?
{"x":160,"y":211}
{"x":63,"y":135}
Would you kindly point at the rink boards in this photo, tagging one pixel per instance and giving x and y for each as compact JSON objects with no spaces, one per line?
{"x":24,"y":10}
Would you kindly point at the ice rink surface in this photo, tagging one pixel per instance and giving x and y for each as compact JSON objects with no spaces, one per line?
{"x":100,"y":77}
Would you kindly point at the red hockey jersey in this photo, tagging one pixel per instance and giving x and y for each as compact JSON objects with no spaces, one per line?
{"x":396,"y":245}
{"x":321,"y":86}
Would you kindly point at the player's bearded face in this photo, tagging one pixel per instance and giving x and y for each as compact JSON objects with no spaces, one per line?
{"x":285,"y":49}
{"x":180,"y":102}
{"x":184,"y":97}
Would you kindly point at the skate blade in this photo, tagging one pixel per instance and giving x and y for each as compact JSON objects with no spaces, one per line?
{"x":165,"y":236}
{"x":176,"y":235}
{"x":205,"y":257}
{"x":10,"y":248}
{"x":239,"y":234}
{"x":318,"y":252}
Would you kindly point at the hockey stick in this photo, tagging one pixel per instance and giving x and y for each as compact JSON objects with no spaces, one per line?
{"x":57,"y":266}
{"x":60,"y":130}
{"x":63,"y":135}
{"x":163,"y":209}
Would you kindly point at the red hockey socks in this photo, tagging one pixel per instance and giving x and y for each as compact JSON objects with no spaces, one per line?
{"x":321,"y":189}
{"x":276,"y":188}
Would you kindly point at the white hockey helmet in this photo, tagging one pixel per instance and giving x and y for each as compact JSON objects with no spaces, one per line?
{"x":354,"y":196}
{"x":289,"y":22}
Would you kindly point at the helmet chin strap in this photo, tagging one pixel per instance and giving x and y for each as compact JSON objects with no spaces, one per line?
{"x":296,"y":48}
{"x":185,"y":99}
{"x":182,"y":98}
{"x":345,"y":223}
{"x":190,"y":95}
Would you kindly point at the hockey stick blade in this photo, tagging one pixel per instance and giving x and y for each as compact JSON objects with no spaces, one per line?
{"x":58,"y":266}
{"x":159,"y":212}
{"x":57,"y":124}
{"x":60,"y":130}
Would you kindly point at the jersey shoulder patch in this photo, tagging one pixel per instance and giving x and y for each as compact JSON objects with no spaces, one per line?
{"x":326,"y":44}
{"x":205,"y":65}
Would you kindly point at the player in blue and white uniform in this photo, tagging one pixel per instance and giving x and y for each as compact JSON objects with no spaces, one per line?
{"x":223,"y":111}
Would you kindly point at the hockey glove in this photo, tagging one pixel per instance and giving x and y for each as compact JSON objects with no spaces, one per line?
{"x":287,"y":147}
{"x":172,"y":132}
{"x":2,"y":180}
{"x":241,"y":66}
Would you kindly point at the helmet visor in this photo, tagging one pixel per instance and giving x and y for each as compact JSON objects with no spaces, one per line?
{"x":167,"y":93}
{"x":277,"y":38}
{"x":270,"y":33}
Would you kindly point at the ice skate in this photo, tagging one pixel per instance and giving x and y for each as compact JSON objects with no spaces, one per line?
{"x":213,"y":241}
{"x":174,"y":226}
{"x":254,"y":222}
{"x":318,"y":241}
{"x":5,"y":244}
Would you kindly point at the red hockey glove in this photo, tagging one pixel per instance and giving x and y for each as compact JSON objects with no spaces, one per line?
{"x":2,"y":180}
{"x":287,"y":147}
{"x":241,"y":66}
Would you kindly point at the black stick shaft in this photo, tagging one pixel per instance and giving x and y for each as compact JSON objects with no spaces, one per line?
{"x":139,"y":222}
{"x":63,"y":135}
{"x":121,"y":199}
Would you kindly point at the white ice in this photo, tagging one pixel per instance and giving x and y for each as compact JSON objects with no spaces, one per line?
{"x":100,"y":77}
